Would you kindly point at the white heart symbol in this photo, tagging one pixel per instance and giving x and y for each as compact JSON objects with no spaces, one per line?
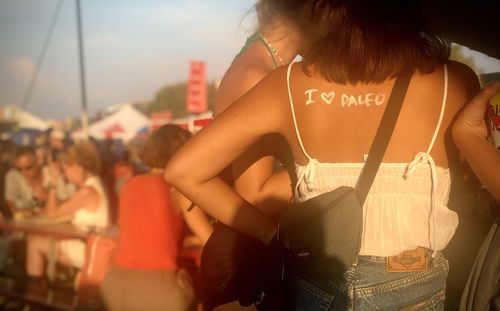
{"x":328,"y":97}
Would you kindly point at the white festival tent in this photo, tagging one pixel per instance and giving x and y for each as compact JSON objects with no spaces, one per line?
{"x":124,"y":123}
{"x":23,"y":119}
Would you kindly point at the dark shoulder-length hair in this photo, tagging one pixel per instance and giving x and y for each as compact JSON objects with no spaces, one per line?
{"x":161,"y":145}
{"x":351,"y":41}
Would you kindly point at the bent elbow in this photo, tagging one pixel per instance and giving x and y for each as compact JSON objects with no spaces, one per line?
{"x":171,"y":174}
{"x":177,"y":175}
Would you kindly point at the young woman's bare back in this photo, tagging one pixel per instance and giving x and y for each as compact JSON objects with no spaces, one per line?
{"x":330,"y":133}
{"x":338,"y":122}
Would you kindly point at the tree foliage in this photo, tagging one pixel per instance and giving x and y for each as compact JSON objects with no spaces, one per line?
{"x":172,"y":97}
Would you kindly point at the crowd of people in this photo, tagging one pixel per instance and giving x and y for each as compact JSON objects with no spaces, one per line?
{"x":154,"y":220}
{"x":284,"y":131}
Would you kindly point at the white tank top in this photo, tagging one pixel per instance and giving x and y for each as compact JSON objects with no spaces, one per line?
{"x":97,"y":218}
{"x":407,"y":203}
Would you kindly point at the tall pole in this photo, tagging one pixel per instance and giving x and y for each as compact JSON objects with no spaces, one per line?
{"x":41,"y":56}
{"x":84,"y":113}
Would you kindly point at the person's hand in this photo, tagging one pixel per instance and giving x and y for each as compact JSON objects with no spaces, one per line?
{"x":40,"y":193}
{"x":471,"y":119}
{"x":55,"y":172}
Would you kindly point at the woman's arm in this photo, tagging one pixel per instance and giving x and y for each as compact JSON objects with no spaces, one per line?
{"x":83,"y":197}
{"x":270,"y":191}
{"x":194,"y":167}
{"x":253,"y":171}
{"x":470,"y":133}
{"x":195,"y":218}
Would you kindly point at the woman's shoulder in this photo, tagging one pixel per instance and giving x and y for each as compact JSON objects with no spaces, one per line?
{"x":463,"y":84}
{"x":461,"y":75}
{"x":459,"y":85}
{"x":238,"y":80}
{"x":88,"y":194}
{"x":458,"y":74}
{"x":459,"y":68}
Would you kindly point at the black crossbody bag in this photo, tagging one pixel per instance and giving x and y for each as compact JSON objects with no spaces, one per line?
{"x":324,"y":233}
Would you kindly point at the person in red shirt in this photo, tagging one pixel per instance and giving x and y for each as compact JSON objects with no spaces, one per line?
{"x":144,"y":274}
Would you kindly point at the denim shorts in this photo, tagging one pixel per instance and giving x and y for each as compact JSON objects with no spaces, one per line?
{"x":368,"y":286}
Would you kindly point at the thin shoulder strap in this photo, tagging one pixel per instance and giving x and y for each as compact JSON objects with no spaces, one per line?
{"x":293,"y":112}
{"x":257,"y":37}
{"x":250,"y":40}
{"x":268,"y":48}
{"x":443,"y":106}
{"x":383,"y":136}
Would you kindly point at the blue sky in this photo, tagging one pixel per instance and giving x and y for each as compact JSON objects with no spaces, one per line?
{"x":132,"y":48}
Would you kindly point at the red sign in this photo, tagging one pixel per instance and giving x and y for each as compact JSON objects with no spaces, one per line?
{"x":159,"y":118}
{"x":202,"y":122}
{"x":196,"y":99}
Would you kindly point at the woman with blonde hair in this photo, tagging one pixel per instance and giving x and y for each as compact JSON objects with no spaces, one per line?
{"x":87,"y":208}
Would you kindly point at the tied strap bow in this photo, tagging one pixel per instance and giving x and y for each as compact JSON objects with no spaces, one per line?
{"x":425,"y":158}
{"x":307,"y":176}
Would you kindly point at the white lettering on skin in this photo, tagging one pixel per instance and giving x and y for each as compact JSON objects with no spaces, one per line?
{"x":309,"y":94}
{"x":328,"y":97}
{"x":379,"y":99}
{"x":369,"y":99}
{"x":366,"y":100}
{"x":346,"y":100}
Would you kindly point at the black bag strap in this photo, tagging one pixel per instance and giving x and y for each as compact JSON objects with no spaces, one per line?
{"x":383,"y":136}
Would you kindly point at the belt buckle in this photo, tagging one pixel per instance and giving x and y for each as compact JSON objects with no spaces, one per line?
{"x":414,"y":260}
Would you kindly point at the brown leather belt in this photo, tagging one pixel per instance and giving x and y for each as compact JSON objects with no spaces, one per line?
{"x":408,"y":261}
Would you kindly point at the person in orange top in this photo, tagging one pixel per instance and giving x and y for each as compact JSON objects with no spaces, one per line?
{"x":144,"y":274}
